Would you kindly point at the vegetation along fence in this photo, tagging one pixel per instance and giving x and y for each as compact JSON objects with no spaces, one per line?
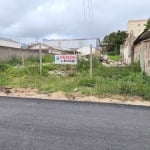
{"x":106,"y":81}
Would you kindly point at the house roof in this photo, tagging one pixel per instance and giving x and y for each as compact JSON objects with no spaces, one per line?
{"x":5,"y":42}
{"x":143,"y":36}
{"x":8,"y":40}
{"x":47,"y":47}
{"x":34,"y":46}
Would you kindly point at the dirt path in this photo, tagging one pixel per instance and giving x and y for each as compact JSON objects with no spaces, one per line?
{"x":33,"y":93}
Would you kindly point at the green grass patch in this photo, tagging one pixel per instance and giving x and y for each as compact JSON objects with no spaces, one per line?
{"x":114,"y":57}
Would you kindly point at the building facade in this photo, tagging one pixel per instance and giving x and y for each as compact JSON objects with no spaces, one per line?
{"x":49,"y":49}
{"x":137,"y":46}
{"x":136,"y":27}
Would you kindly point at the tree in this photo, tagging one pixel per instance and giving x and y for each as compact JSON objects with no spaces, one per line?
{"x":114,"y":40}
{"x":147,"y":25}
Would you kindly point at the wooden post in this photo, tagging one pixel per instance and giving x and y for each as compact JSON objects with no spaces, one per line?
{"x":40,"y":57}
{"x":91,"y":61}
{"x":22,"y":55}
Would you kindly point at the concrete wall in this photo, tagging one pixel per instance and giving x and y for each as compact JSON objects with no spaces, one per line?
{"x":146,"y":57}
{"x":127,"y":55}
{"x":8,"y":53}
{"x":126,"y":50}
{"x":137,"y":52}
{"x":142,"y":54}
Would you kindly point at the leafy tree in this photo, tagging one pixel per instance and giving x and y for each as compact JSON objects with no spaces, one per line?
{"x":114,"y":40}
{"x":147,"y":25}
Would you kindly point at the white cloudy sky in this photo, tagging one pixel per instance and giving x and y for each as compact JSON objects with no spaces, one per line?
{"x":66,"y":18}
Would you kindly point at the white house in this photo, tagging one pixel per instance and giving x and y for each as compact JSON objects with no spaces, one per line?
{"x":49,"y":49}
{"x":85,"y":51}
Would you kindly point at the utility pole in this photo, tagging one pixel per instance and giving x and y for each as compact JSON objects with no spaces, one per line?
{"x":40,"y":57}
{"x":91,"y":61}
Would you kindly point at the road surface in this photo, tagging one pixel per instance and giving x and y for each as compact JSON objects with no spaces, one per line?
{"x":33,"y":124}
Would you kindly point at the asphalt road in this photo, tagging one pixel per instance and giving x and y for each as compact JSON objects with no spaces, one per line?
{"x":30,"y":124}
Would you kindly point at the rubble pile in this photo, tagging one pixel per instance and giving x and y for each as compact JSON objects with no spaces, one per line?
{"x":104,"y":59}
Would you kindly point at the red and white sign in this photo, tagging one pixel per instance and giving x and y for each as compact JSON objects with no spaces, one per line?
{"x":66,"y":59}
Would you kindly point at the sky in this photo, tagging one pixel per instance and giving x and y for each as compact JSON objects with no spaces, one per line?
{"x":66,"y":19}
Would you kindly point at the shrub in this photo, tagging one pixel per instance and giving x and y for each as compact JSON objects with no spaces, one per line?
{"x":32,"y":60}
{"x":83,"y":65}
{"x":48,"y":58}
{"x":3,"y":66}
{"x":87,"y":82}
{"x":14,"y":61}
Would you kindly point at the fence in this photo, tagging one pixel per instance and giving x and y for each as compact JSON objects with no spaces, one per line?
{"x":7,"y":53}
{"x":106,"y":81}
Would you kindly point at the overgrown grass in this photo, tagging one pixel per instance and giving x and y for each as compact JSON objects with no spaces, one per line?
{"x":114,"y":57}
{"x":105,"y":81}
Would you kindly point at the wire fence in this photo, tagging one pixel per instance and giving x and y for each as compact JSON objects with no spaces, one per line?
{"x":106,"y":81}
{"x":36,"y":69}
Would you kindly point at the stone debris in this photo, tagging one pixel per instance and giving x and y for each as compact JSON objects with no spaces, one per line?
{"x":6,"y":90}
{"x":58,"y":73}
{"x":104,"y":59}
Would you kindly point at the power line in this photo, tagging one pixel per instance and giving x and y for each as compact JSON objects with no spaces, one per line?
{"x":88,"y":10}
{"x":92,"y":11}
{"x":84,"y":9}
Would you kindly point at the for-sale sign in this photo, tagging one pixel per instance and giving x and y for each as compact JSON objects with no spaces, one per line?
{"x":66,"y":59}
